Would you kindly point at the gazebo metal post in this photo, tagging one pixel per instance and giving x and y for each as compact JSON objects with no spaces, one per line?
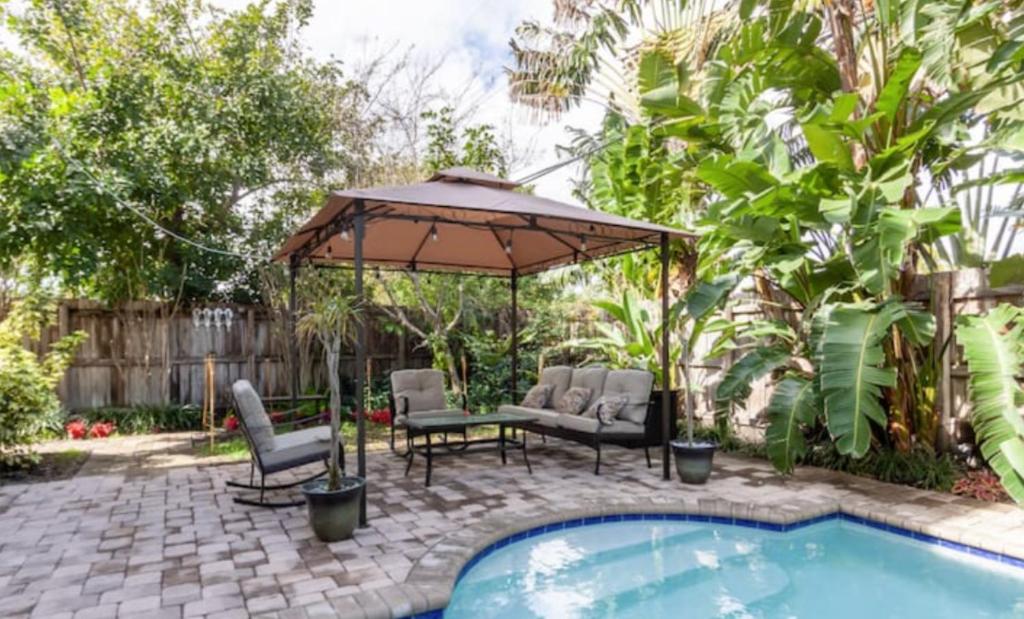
{"x":359,"y":229}
{"x":293,"y":361}
{"x":665,"y":378}
{"x":514,"y":280}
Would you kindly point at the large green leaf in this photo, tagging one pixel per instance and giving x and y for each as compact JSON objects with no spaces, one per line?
{"x":706,"y":296}
{"x":994,"y":350}
{"x":735,"y":385}
{"x":735,"y":179}
{"x":851,"y":372}
{"x":794,"y":404}
{"x":1006,"y":272}
{"x":827,"y":145}
{"x":895,"y":90}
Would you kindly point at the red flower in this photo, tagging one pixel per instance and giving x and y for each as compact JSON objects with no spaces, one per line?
{"x":381,"y":416}
{"x":277,"y":417}
{"x":76,"y":429}
{"x":101,"y":429}
{"x":231,"y":423}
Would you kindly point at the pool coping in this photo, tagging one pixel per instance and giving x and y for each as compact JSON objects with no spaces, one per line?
{"x":428,"y":588}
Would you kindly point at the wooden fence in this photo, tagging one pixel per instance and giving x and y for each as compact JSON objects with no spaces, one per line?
{"x":145,"y":353}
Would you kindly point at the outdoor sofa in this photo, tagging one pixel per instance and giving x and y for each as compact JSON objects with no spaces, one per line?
{"x":637,"y":425}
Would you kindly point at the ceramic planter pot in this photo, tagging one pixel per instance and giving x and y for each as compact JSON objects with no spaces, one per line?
{"x":693,"y":460}
{"x":334,"y":515}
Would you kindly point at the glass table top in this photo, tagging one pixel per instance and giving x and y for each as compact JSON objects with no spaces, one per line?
{"x":445,"y":421}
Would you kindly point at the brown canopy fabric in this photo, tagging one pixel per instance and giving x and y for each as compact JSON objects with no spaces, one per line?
{"x":467,"y":221}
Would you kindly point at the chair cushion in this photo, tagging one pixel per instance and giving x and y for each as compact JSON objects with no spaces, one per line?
{"x":592,"y":378}
{"x":424,"y":389}
{"x":607,"y":408}
{"x":558,"y":376}
{"x":636,"y":384}
{"x":283,"y":459}
{"x":302,"y":437}
{"x":543,"y":416}
{"x":537,"y":397}
{"x":574,"y":401}
{"x":590,"y":425}
{"x":254,"y":416}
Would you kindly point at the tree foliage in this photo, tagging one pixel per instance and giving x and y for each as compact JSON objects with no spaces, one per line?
{"x":811,"y":146}
{"x":215,"y":125}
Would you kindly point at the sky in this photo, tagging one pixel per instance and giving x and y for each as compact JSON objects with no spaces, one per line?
{"x":472,"y":37}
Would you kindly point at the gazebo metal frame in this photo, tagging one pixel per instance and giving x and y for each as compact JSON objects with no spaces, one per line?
{"x":487,"y":209}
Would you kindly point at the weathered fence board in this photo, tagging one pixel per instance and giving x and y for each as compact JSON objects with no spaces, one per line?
{"x":145,"y":353}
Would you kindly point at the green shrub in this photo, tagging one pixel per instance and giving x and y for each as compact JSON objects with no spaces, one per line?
{"x":28,"y":398}
{"x":148,"y":418}
{"x":920,"y":467}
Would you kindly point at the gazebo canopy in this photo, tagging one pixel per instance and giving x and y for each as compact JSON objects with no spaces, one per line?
{"x":467,"y":221}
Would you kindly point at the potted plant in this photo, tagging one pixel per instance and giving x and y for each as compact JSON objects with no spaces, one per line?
{"x":693,"y":458}
{"x":329,"y":316}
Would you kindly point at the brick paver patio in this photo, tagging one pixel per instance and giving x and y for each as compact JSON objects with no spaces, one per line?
{"x":165,"y":540}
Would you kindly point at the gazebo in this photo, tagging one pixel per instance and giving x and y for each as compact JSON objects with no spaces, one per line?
{"x":465,"y":221}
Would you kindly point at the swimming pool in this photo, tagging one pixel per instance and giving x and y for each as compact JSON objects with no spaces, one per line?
{"x":651,"y":568}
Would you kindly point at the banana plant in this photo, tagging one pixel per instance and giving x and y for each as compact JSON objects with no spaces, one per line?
{"x":994,"y":349}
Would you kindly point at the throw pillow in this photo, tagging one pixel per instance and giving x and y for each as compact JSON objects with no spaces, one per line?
{"x":537,"y":396}
{"x":574,"y":401}
{"x":607,"y":408}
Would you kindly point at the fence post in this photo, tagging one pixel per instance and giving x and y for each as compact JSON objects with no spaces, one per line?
{"x":250,"y":346}
{"x":63,"y":329}
{"x":942,"y":308}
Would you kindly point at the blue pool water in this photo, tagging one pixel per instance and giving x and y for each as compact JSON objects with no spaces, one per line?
{"x":650,"y":569}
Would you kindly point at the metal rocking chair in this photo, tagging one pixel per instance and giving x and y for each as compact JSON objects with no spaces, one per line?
{"x":273,"y":453}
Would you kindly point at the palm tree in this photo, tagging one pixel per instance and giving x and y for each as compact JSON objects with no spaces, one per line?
{"x":329,"y":314}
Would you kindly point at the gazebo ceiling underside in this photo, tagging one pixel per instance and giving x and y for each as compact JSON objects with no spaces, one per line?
{"x":479,"y":229}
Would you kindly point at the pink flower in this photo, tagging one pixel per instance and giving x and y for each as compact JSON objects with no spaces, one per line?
{"x":231,"y":423}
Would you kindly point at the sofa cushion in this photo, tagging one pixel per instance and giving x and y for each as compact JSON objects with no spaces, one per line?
{"x":636,"y":384}
{"x":574,"y":401}
{"x":592,"y":378}
{"x":543,"y":416}
{"x":558,"y":376}
{"x":590,"y":425}
{"x":607,"y":407}
{"x":424,"y":389}
{"x":537,"y":397}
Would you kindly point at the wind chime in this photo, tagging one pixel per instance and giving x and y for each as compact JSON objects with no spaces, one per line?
{"x":211,"y":320}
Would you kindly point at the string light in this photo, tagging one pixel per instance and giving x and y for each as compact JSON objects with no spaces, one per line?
{"x":344,"y":233}
{"x":508,"y":246}
{"x":328,"y":252}
{"x":583,"y":243}
{"x":433,"y":233}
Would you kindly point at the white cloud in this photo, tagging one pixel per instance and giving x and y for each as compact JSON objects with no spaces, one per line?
{"x":472,"y":36}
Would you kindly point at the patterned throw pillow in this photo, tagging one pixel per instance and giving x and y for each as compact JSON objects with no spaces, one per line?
{"x":537,"y":396}
{"x":574,"y":401}
{"x":607,"y":408}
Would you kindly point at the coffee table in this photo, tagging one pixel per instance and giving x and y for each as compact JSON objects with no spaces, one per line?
{"x":459,"y":423}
